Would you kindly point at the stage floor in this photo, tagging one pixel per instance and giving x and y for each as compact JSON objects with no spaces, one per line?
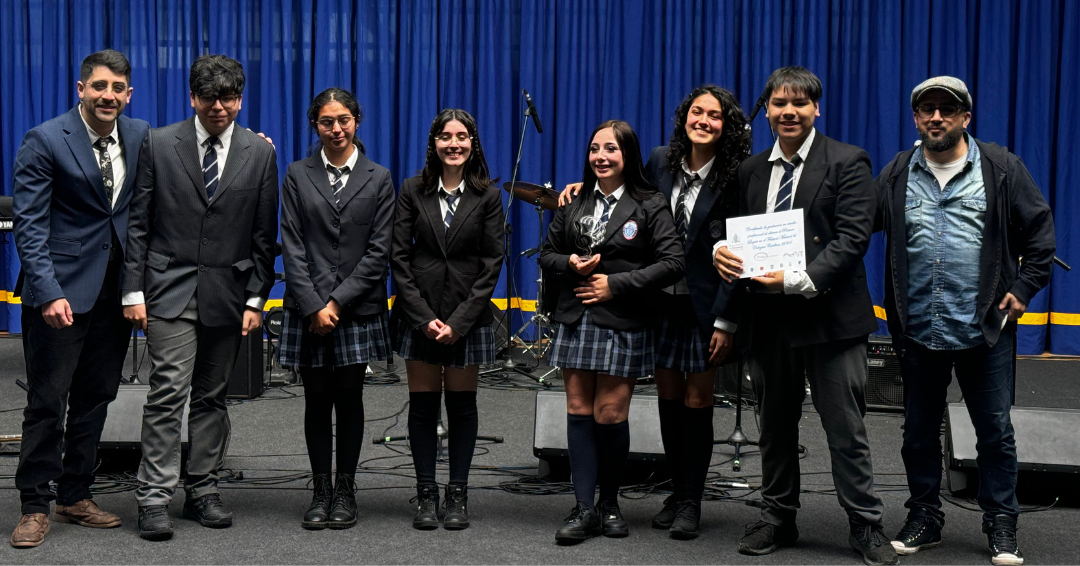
{"x":514,"y":518}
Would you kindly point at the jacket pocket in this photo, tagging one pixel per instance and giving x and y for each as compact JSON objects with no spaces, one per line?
{"x":243,"y":265}
{"x":157,"y":260}
{"x":64,"y":247}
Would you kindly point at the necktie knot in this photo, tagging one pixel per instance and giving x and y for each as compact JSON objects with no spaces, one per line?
{"x":211,"y":142}
{"x":102,"y":144}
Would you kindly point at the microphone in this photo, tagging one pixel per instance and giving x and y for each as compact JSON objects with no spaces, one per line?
{"x":758,"y":106}
{"x":532,"y":112}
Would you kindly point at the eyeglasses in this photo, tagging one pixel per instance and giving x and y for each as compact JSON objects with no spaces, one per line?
{"x":227,"y":101}
{"x":328,"y":123}
{"x":927,"y":111}
{"x":447,"y":137}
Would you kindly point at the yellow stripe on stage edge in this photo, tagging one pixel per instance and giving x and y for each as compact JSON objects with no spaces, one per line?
{"x":9,"y":298}
{"x":523,"y":305}
{"x":880,"y":312}
{"x":1035,"y":318}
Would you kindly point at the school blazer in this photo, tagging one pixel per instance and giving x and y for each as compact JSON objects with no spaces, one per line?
{"x":641,"y":254}
{"x":446,"y":274}
{"x":836,"y":194}
{"x":336,"y":251}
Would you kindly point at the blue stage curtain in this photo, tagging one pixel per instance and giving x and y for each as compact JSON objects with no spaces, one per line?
{"x":583,"y":61}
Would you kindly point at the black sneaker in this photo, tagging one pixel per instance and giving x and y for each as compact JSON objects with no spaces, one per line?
{"x":685,"y":525}
{"x":870,"y":541}
{"x":666,"y":516}
{"x":919,"y":532}
{"x":154,"y":522}
{"x":318,"y":514}
{"x":343,"y":511}
{"x":580,"y":525}
{"x":611,"y":518}
{"x":764,"y":538}
{"x":427,"y":507}
{"x":456,"y":508}
{"x":1001,"y":535}
{"x":209,"y":511}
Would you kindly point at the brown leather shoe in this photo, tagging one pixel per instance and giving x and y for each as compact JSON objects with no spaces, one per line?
{"x":87,"y":514}
{"x":31,"y":530}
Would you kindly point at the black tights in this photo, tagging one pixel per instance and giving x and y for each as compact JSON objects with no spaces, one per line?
{"x":330,"y":391}
{"x":461,"y":414}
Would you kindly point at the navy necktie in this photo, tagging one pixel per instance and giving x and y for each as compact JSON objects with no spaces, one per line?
{"x":451,"y":205}
{"x":608,"y":202}
{"x":682,"y":216}
{"x":335,"y":182}
{"x":210,"y":166}
{"x":783,"y":196}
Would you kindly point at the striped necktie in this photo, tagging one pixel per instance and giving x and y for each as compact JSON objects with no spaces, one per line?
{"x":608,"y":202}
{"x":210,"y":166}
{"x":105,"y":162}
{"x":682,"y":214}
{"x":451,"y":206}
{"x":783,"y":196}
{"x":336,"y":173}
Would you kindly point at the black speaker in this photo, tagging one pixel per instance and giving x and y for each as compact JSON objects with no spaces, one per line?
{"x":246,"y":381}
{"x":884,"y":386}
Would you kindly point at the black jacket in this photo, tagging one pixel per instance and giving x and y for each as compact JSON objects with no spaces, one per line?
{"x":638,"y":267}
{"x":449,"y":275}
{"x":1018,"y":223}
{"x":836,"y":194}
{"x":336,"y":251}
{"x":708,"y":292}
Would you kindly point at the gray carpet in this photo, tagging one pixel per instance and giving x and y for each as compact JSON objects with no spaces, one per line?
{"x":267,"y":448}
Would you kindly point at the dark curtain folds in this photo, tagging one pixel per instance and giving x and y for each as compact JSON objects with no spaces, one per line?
{"x":583,"y":61}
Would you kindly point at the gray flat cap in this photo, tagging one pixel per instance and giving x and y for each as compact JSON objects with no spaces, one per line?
{"x":951,"y":85}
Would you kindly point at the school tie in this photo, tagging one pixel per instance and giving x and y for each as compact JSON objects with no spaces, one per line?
{"x":210,"y":166}
{"x":335,"y":182}
{"x":682,"y":216}
{"x":608,"y":202}
{"x":105,"y":162}
{"x":783,"y":196}
{"x":451,"y":205}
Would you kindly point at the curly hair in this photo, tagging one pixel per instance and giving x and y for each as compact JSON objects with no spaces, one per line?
{"x":732,"y":147}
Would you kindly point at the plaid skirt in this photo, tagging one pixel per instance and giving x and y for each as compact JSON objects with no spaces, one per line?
{"x":474,"y":349}
{"x":586,"y":346}
{"x":351,"y":343}
{"x":681,"y":346}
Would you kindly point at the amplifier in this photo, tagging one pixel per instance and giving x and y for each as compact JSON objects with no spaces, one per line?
{"x":549,"y":431}
{"x":123,"y":424}
{"x":1045,"y":443}
{"x":884,"y":386}
{"x":246,"y":380}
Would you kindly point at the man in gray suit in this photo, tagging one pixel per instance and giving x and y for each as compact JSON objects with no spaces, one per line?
{"x":198,"y":269}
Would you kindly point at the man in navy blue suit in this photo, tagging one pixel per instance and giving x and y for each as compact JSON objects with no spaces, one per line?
{"x":72,"y":191}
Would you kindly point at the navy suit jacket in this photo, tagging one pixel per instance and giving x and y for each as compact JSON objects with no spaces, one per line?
{"x":64,"y":225}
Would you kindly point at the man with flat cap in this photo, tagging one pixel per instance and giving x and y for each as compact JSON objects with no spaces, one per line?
{"x":959,"y":213}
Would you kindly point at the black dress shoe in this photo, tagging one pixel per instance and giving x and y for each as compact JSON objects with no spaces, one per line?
{"x":612,"y":520}
{"x":318,"y":514}
{"x":666,"y":516}
{"x":154,"y":522}
{"x":580,"y":525}
{"x":764,"y":538}
{"x":209,"y":511}
{"x":343,"y":511}
{"x":456,"y":508}
{"x":427,"y":507}
{"x":685,"y":525}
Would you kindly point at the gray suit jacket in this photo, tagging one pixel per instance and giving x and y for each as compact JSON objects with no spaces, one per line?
{"x":179,"y":241}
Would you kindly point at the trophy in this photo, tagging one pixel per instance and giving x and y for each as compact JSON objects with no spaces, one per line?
{"x":590,"y":234}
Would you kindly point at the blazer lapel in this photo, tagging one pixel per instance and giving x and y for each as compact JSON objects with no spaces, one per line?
{"x":131,"y":163}
{"x":704,"y":203}
{"x":78,"y":140}
{"x":239,"y":151}
{"x":467,"y":203}
{"x":358,"y":177}
{"x":430,"y":201}
{"x":187,"y":149}
{"x":813,"y":174}
{"x":316,"y":173}
{"x":624,"y":208}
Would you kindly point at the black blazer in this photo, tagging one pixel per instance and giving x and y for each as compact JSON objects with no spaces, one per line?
{"x":178,"y":240}
{"x":449,"y":275}
{"x":836,"y":194}
{"x":336,"y":251}
{"x":709,"y":293}
{"x":637,"y":268}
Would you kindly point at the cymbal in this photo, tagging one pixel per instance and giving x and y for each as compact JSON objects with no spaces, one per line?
{"x":534,"y":194}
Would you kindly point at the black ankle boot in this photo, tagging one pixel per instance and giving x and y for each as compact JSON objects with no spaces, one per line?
{"x":456,"y":508}
{"x":318,"y":515}
{"x":427,"y":507}
{"x":343,"y":512}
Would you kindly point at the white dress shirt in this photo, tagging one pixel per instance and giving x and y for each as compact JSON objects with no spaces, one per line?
{"x":119,"y":168}
{"x":443,"y":206}
{"x":599,"y":210}
{"x":350,"y":163}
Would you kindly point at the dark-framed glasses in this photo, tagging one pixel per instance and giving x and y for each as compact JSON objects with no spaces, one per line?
{"x":927,"y":111}
{"x":327,"y":123}
{"x":227,"y":101}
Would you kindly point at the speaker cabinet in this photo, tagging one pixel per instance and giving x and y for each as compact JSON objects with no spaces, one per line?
{"x":246,"y":380}
{"x":884,"y":386}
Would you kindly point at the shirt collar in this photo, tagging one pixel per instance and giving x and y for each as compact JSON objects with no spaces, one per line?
{"x":617,"y":194}
{"x":457,"y":190}
{"x":201,"y":135}
{"x":919,"y":157}
{"x":94,"y":135}
{"x":804,"y":149}
{"x":701,"y":173}
{"x":350,"y":162}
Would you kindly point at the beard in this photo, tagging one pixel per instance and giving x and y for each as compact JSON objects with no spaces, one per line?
{"x":945,"y":143}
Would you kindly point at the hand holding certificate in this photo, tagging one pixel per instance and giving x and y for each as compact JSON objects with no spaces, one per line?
{"x":767,"y":243}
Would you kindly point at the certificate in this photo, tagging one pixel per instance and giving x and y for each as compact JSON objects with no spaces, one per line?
{"x":768,"y":242}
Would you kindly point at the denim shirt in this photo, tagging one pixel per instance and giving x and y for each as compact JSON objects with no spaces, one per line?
{"x":944,"y":240}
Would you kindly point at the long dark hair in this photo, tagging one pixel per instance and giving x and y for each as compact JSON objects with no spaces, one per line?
{"x":637,"y":186}
{"x":346,"y":98}
{"x":732,"y":147}
{"x":476,"y":173}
